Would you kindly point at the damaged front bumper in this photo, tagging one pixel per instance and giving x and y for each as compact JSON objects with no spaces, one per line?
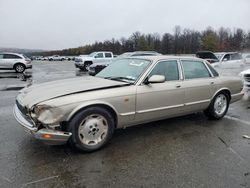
{"x":47,"y":136}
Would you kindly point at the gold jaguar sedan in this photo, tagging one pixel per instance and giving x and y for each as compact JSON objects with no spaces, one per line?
{"x":85,"y":111}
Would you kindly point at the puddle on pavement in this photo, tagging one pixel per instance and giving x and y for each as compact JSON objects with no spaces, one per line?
{"x":10,"y":80}
{"x":81,"y":73}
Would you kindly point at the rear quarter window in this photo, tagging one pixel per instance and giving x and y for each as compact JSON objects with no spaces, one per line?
{"x":11,"y":56}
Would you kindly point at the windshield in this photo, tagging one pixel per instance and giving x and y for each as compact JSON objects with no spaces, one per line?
{"x":127,"y":70}
{"x":92,"y":54}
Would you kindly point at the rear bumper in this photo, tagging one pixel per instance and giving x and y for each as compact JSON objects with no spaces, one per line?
{"x":236,"y":97}
{"x":47,"y":136}
{"x":29,"y":66}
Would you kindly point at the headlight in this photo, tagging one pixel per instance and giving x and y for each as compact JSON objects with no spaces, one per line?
{"x":46,"y":114}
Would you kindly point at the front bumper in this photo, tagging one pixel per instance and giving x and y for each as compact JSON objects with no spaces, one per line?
{"x":47,"y":136}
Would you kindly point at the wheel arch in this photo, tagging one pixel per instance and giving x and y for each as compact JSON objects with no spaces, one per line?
{"x":104,"y":105}
{"x":88,"y":61}
{"x":15,"y":64}
{"x":226,"y":90}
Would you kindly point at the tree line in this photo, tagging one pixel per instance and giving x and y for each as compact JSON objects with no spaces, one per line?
{"x":181,"y":41}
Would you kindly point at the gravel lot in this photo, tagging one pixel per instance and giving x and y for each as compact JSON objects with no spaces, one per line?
{"x":188,"y":151}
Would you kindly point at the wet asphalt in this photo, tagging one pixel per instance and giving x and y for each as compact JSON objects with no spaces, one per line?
{"x":189,"y":151}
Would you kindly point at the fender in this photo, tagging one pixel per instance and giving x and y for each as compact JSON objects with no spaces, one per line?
{"x":222,"y":89}
{"x":90,"y":103}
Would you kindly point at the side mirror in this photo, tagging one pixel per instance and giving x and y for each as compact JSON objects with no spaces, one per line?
{"x":156,"y":79}
{"x":225,"y":59}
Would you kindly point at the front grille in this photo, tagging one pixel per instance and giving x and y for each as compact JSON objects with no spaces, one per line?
{"x":24,"y":112}
{"x":21,"y":108}
{"x":247,"y":77}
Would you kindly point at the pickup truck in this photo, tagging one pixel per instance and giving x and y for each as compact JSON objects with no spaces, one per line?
{"x":56,"y":58}
{"x":84,"y":61}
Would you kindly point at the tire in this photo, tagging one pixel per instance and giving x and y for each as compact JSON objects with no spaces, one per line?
{"x":218,"y":106}
{"x":86,"y":66}
{"x":91,"y":129}
{"x":20,"y":68}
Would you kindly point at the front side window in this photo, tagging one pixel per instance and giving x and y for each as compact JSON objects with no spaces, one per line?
{"x":226,"y":57}
{"x":11,"y":56}
{"x":195,"y":69}
{"x":1,"y":56}
{"x":99,"y":55}
{"x":169,"y":69}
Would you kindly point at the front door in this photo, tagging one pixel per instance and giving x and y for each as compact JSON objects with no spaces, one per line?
{"x":160,"y":100}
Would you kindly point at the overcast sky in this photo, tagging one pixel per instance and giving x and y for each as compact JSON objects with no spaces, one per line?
{"x":58,"y":24}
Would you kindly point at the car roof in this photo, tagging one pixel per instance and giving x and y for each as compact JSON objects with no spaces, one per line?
{"x":226,"y":53}
{"x":11,"y":53}
{"x":165,"y":57}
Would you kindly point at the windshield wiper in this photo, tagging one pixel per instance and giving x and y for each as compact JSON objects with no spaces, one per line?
{"x":120,"y":78}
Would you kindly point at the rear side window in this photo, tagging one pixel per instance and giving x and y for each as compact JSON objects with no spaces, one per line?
{"x":236,"y":56}
{"x":195,"y":69}
{"x":169,"y":69}
{"x":108,"y":55}
{"x":11,"y":56}
{"x":1,"y":56}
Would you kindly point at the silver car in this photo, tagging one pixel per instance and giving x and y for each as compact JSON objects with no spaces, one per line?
{"x":85,"y":111}
{"x":18,"y":62}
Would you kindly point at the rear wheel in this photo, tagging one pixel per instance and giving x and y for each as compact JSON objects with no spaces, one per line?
{"x":218,"y":107}
{"x":19,"y":68}
{"x":91,"y":129}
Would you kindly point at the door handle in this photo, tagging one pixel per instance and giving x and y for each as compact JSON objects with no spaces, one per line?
{"x":178,"y":86}
{"x":211,"y":83}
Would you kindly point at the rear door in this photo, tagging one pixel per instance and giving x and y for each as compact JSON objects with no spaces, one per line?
{"x":160,"y":100}
{"x":199,"y":85}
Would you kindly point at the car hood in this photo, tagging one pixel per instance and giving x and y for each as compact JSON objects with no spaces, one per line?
{"x":85,"y":58}
{"x":245,"y":72}
{"x":41,"y":92}
{"x":101,"y":63}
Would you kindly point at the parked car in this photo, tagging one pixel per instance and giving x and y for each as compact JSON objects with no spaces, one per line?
{"x":84,"y":61}
{"x":18,"y":62}
{"x":85,"y":111}
{"x":229,"y":60}
{"x":207,"y":55}
{"x":247,"y":58}
{"x":56,"y":58}
{"x":97,"y":67}
{"x":246,"y":79}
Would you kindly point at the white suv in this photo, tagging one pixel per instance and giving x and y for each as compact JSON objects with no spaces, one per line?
{"x":15,"y":61}
{"x":229,"y":60}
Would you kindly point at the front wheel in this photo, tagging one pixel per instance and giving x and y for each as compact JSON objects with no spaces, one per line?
{"x":91,"y":129}
{"x":86,"y":66}
{"x":218,"y":107}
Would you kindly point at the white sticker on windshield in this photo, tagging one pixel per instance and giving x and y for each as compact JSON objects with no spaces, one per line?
{"x":136,"y":64}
